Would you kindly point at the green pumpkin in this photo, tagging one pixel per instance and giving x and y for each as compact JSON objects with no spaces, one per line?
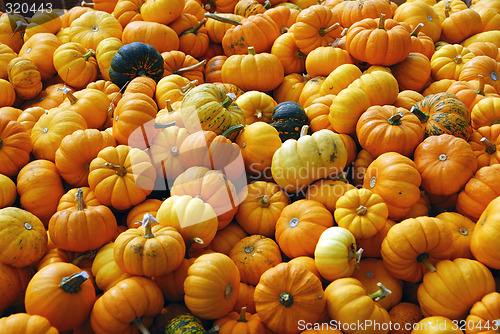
{"x":289,"y":118}
{"x":208,"y":107}
{"x":444,"y":113}
{"x":134,"y":60}
{"x":185,"y":324}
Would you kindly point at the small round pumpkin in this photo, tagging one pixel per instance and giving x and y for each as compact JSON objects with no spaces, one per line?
{"x":15,"y":146}
{"x":483,"y":244}
{"x":23,"y":323}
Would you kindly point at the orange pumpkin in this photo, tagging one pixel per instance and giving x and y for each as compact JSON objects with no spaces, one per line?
{"x":226,"y":238}
{"x":15,"y":146}
{"x":25,"y":78}
{"x":75,"y":64}
{"x":483,"y":245}
{"x":484,"y":143}
{"x":23,"y":323}
{"x":483,"y":313}
{"x":40,"y":50}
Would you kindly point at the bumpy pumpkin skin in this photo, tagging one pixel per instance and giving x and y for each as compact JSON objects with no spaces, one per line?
{"x":483,"y":313}
{"x":23,"y":323}
{"x":15,"y":146}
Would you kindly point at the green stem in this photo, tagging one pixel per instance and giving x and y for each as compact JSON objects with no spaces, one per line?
{"x":251,"y":50}
{"x":303,"y":130}
{"x":415,"y":31}
{"x":80,"y":205}
{"x":490,"y":148}
{"x":424,"y":258}
{"x":214,"y":329}
{"x":164,"y":125}
{"x":267,"y":4}
{"x":190,"y":68}
{"x":243,"y":314}
{"x":324,"y":31}
{"x":422,"y":116}
{"x":146,"y":223}
{"x":168,"y":106}
{"x":395,"y":119}
{"x":361,"y":210}
{"x":140,"y":326}
{"x":222,"y":19}
{"x":89,"y":54}
{"x":381,"y":293}
{"x":194,"y":30}
{"x":264,"y":201}
{"x":480,"y":85}
{"x":233,"y":129}
{"x":120,"y":170}
{"x":286,"y":299}
{"x":190,"y":243}
{"x":87,"y":4}
{"x":1,"y":143}
{"x":73,"y":283}
{"x":381,"y":23}
{"x":188,"y":87}
{"x":447,"y":8}
{"x":227,"y":102}
{"x":355,"y":255}
{"x":458,"y":59}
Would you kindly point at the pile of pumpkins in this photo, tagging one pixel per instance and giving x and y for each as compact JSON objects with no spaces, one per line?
{"x":211,"y":166}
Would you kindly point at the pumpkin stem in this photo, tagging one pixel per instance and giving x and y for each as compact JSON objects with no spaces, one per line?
{"x":301,"y":55}
{"x":227,"y":101}
{"x":1,"y":143}
{"x":424,"y":258}
{"x":284,"y":30}
{"x":381,"y":22}
{"x":120,"y":170}
{"x":215,"y":329}
{"x":395,"y":119}
{"x":286,"y":299}
{"x":87,"y":4}
{"x":463,"y":231}
{"x":422,"y":116}
{"x":243,"y":313}
{"x":361,"y":210}
{"x":447,"y":8}
{"x":233,"y":129}
{"x":188,"y":87}
{"x":67,"y":92}
{"x":164,"y":125}
{"x":480,"y":85}
{"x":490,"y":148}
{"x":264,"y":201}
{"x":146,"y":223}
{"x":342,"y":177}
{"x":381,"y":293}
{"x":324,"y":31}
{"x":267,"y":4}
{"x":303,"y":130}
{"x":194,"y":30}
{"x":190,"y":68}
{"x":355,"y":255}
{"x":458,"y":59}
{"x":89,"y":54}
{"x":168,"y":106}
{"x":190,"y":243}
{"x":415,"y":31}
{"x":251,"y":50}
{"x":222,"y":19}
{"x":140,"y":326}
{"x":228,"y":291}
{"x":73,"y":283}
{"x":79,"y":200}
{"x":84,"y":256}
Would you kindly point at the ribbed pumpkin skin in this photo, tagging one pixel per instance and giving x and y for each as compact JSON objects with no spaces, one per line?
{"x":288,"y":118}
{"x":185,"y":323}
{"x":133,"y":60}
{"x":446,"y":114}
{"x":23,"y":323}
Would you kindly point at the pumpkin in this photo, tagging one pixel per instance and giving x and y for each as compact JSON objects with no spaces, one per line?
{"x":153,"y":10}
{"x":458,"y":26}
{"x":261,"y":209}
{"x":291,"y":88}
{"x":484,"y":144}
{"x":421,"y":43}
{"x":121,"y":176}
{"x":72,"y":14}
{"x":82,"y":229}
{"x":303,"y":220}
{"x":445,"y":163}
{"x":261,"y":71}
{"x":436,"y":324}
{"x":443,"y":113}
{"x":258,"y":142}
{"x":316,"y":26}
{"x":483,"y":314}
{"x":54,"y":288}
{"x":257,"y":106}
{"x":471,"y":93}
{"x":285,"y":48}
{"x":191,"y":217}
{"x":33,"y":181}
{"x":486,"y":112}
{"x":316,"y":156}
{"x":75,"y":64}
{"x":8,"y":194}
{"x":213,"y":279}
{"x":23,"y":237}
{"x":448,"y":61}
{"x":133,"y":60}
{"x":311,"y":91}
{"x":105,"y":270}
{"x":173,"y":88}
{"x":49,"y":98}
{"x":105,"y":51}
{"x":415,"y":13}
{"x":371,"y":246}
{"x":15,"y":146}
{"x":6,"y":55}
{"x":348,"y":302}
{"x":380,"y":86}
{"x":24,"y":77}
{"x":335,"y":254}
{"x":208,"y":106}
{"x":327,"y":192}
{"x":346,"y":108}
{"x":226,"y":238}
{"x":177,"y":62}
{"x":158,"y":36}
{"x":134,"y":300}
{"x":244,"y":321}
{"x":362,"y":212}
{"x":479,"y":191}
{"x":484,"y":49}
{"x":38,"y":49}
{"x":484,"y":65}
{"x":439,"y":86}
{"x":259,"y":31}
{"x":12,"y":26}
{"x":185,"y":322}
{"x":43,"y":21}
{"x":212,"y":70}
{"x":324,"y":59}
{"x":476,"y":281}
{"x":127,"y":11}
{"x":289,"y":118}
{"x":413,"y":72}
{"x":373,"y":271}
{"x":135,"y":215}
{"x":387,"y":34}
{"x":462,"y":230}
{"x":405,"y":315}
{"x":287,"y":295}
{"x":253,"y":255}
{"x":354,"y":12}
{"x":382,"y":129}
{"x":483,"y":244}
{"x":400,"y":253}
{"x":23,"y":323}
{"x":8,"y":95}
{"x":396,"y":179}
{"x":161,"y":249}
{"x":91,"y":104}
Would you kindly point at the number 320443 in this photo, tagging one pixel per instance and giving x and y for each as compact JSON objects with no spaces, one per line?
{"x":24,"y":8}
